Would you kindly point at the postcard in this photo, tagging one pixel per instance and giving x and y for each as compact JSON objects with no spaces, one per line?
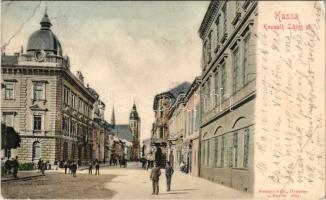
{"x":163,"y":100}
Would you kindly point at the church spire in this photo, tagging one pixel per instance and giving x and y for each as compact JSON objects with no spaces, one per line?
{"x":134,"y":113}
{"x":113,"y":117}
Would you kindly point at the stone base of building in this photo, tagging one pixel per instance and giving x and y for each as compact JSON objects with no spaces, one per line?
{"x":240,"y":179}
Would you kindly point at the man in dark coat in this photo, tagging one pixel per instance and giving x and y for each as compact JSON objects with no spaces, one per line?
{"x":168,"y":174}
{"x":7,"y":166}
{"x":155,"y":177}
{"x":39,"y":165}
{"x":65,"y":165}
{"x":73,"y":168}
{"x":97,"y":167}
{"x":15,"y":166}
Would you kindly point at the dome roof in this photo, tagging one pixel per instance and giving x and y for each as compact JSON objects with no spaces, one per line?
{"x":44,"y":39}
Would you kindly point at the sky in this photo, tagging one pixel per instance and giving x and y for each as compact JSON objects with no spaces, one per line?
{"x":127,"y":51}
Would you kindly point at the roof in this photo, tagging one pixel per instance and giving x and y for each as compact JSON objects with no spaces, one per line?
{"x":134,"y":113}
{"x":9,"y":60}
{"x":44,"y":39}
{"x":123,"y":132}
{"x":174,"y":93}
{"x":193,"y":87}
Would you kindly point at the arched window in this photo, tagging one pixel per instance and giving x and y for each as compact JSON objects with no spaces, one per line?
{"x":36,"y":150}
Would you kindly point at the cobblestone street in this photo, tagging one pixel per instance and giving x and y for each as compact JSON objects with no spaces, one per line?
{"x":118,"y":183}
{"x":57,"y":185}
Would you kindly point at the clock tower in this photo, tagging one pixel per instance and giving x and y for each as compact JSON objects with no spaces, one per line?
{"x":134,"y":125}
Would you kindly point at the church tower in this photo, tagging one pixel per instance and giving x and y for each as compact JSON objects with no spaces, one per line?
{"x":134,"y":125}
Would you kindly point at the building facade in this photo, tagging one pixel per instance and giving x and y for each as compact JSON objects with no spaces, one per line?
{"x":228,"y":93}
{"x":100,"y":128}
{"x":192,"y":127}
{"x":177,"y":127}
{"x":46,"y":104}
{"x":160,"y":131}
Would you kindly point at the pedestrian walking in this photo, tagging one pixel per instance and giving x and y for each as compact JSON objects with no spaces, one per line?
{"x":65,"y":165}
{"x":155,"y":177}
{"x":73,"y":168}
{"x":39,"y":165}
{"x":97,"y":167}
{"x":182,"y":166}
{"x":90,"y":167}
{"x":7,"y":166}
{"x":168,"y":174}
{"x":15,"y":166}
{"x":43,"y":166}
{"x":69,"y":166}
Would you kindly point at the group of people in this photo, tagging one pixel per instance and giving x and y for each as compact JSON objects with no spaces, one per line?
{"x":72,"y":166}
{"x":147,"y":164}
{"x":95,"y":163}
{"x":42,"y":166}
{"x":116,"y":160}
{"x":155,"y":177}
{"x":10,"y":166}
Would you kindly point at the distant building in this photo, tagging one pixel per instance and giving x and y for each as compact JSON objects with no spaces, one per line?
{"x":134,"y":124}
{"x":100,"y":129}
{"x":129,"y":132}
{"x":192,"y":127}
{"x":177,"y":127}
{"x":160,"y":129}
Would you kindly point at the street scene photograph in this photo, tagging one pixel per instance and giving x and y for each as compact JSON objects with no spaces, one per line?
{"x":162,"y":100}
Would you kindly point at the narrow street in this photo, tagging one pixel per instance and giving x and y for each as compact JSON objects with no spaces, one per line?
{"x":118,"y":183}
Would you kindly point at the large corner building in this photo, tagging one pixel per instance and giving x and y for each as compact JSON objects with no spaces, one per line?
{"x":45,"y":103}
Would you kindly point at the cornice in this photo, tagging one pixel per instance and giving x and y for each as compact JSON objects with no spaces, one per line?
{"x":208,"y":18}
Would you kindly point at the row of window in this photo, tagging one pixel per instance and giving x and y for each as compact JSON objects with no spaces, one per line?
{"x":221,"y":34}
{"x":8,"y":119}
{"x":77,"y":103}
{"x":192,"y":123}
{"x":225,"y":152}
{"x":215,"y":88}
{"x":38,"y":90}
{"x":37,"y":150}
{"x":71,"y":128}
{"x":221,"y":28}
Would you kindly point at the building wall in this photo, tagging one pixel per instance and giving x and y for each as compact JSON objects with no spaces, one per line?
{"x":177,"y":131}
{"x":195,"y":157}
{"x":192,"y":127}
{"x":50,"y":107}
{"x":218,"y":162}
{"x":24,"y":107}
{"x":227,"y":122}
{"x":161,"y":119}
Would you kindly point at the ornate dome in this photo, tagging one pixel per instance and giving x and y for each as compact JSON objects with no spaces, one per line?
{"x":44,"y":39}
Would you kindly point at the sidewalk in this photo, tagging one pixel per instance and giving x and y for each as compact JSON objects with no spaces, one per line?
{"x":135,"y":184}
{"x":21,"y":176}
